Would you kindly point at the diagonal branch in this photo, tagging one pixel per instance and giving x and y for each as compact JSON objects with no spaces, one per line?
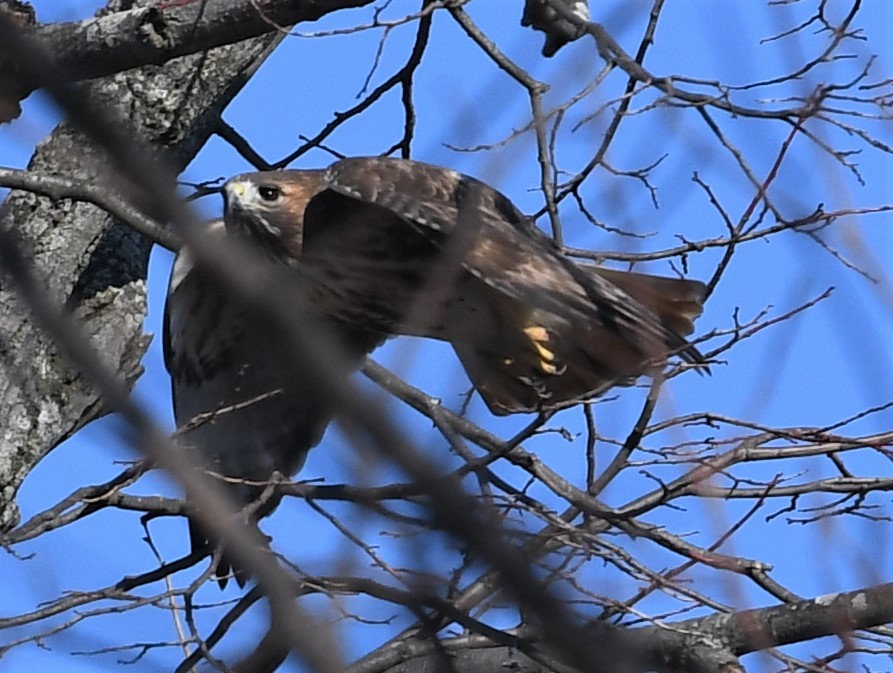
{"x":121,"y":40}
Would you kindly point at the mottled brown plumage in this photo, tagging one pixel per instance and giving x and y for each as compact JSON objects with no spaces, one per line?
{"x":402,"y":247}
{"x":237,"y":403}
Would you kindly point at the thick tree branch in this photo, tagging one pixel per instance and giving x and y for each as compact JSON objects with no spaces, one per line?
{"x":152,"y":35}
{"x":707,"y":644}
{"x":58,"y":188}
{"x":88,"y":260}
{"x":527,"y":533}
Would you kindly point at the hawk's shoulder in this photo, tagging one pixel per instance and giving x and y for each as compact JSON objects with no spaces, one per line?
{"x":180,"y":291}
{"x":428,"y":196}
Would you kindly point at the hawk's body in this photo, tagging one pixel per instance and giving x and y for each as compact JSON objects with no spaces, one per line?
{"x":402,"y":247}
{"x":235,"y":402}
{"x":386,"y":246}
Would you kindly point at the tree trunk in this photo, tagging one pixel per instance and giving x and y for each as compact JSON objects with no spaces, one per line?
{"x":89,"y":261}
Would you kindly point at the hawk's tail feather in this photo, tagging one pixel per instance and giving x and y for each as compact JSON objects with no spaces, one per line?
{"x":204,"y":544}
{"x":677,"y":301}
{"x":554,"y":365}
{"x":224,"y":569}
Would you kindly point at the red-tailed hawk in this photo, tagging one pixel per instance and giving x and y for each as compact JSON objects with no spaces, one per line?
{"x":401,"y":247}
{"x":235,"y":402}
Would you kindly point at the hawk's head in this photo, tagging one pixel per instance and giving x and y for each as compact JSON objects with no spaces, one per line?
{"x":268,"y":208}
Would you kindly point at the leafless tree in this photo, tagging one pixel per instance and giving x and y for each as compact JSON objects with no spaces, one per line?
{"x":636,"y":559}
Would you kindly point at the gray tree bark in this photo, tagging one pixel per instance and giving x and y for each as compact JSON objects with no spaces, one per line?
{"x":97,"y":267}
{"x":138,"y":34}
{"x":89,"y":261}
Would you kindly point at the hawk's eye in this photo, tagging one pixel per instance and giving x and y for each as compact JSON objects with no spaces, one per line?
{"x":268,"y":192}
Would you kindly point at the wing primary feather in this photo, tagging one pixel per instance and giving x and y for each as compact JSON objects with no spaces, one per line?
{"x":431,"y":198}
{"x":603,"y":329}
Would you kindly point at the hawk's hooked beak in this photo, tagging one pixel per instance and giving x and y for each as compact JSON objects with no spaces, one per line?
{"x":242,"y":196}
{"x":235,"y":192}
{"x":237,"y":188}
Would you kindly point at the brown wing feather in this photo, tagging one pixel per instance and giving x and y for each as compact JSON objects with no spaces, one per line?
{"x":533,"y":329}
{"x":508,"y":253}
{"x":423,"y":194}
{"x":236,"y":403}
{"x":583,"y":361}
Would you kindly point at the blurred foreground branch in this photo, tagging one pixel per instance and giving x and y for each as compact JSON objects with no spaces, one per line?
{"x":90,"y":262}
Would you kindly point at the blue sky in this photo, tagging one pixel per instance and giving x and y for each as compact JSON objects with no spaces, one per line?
{"x":821,"y":367}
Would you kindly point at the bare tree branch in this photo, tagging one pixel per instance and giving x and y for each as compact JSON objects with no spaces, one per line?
{"x":628,"y":553}
{"x":90,"y":261}
{"x":122,"y":39}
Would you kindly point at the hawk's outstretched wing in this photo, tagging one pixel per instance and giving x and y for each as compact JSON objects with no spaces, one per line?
{"x":405,"y":247}
{"x":235,"y":402}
